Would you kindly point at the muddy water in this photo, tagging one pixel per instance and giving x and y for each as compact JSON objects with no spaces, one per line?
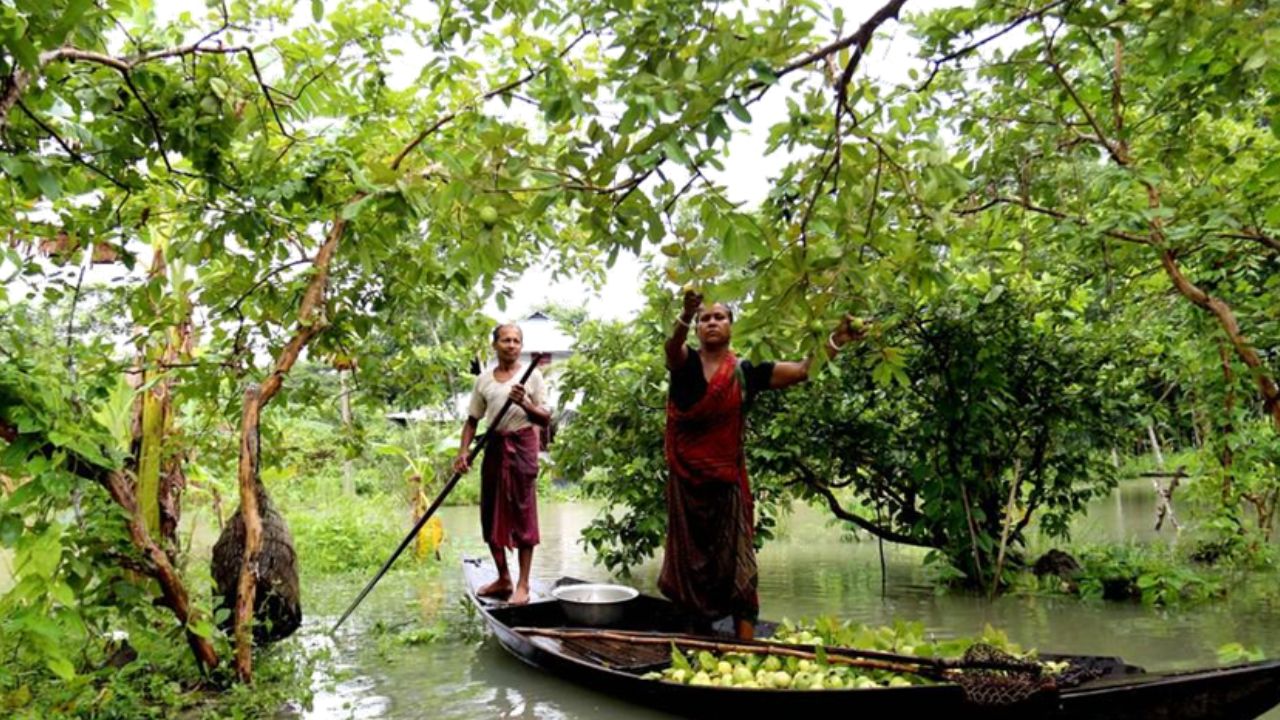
{"x":374,"y":669}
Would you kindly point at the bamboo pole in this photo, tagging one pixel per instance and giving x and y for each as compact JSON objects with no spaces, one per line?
{"x":935,"y":668}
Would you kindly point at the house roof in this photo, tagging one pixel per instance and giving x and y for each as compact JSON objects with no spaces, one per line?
{"x":542,"y":334}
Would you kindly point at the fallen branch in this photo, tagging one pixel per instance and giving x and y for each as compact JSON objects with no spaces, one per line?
{"x":1164,"y":500}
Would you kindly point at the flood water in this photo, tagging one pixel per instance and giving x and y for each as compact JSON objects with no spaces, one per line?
{"x":371,"y":670}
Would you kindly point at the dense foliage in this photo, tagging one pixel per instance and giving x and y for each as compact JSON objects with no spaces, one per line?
{"x":1110,"y":165}
{"x":196,"y":201}
{"x":986,"y":416}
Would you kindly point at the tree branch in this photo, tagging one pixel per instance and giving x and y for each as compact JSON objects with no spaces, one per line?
{"x":77,"y":157}
{"x":875,"y":194}
{"x":266,"y":92}
{"x":1117,"y":96}
{"x":1115,"y":152}
{"x":173,"y":592}
{"x":810,"y":480}
{"x":1117,"y":234}
{"x":1255,"y":235}
{"x":860,"y":37}
{"x":246,"y":588}
{"x":937,"y":63}
{"x":18,"y":81}
{"x":235,"y":306}
{"x":507,"y":87}
{"x":311,"y":318}
{"x":822,"y":180}
{"x":1227,"y":319}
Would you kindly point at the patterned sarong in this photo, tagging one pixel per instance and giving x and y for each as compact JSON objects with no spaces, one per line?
{"x":508,"y":489}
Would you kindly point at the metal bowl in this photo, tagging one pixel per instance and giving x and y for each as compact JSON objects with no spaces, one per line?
{"x":594,"y":603}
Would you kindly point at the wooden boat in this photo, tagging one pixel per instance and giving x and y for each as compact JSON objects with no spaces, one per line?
{"x":539,"y":634}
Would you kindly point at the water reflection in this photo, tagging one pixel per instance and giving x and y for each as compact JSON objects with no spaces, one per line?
{"x":522,"y":692}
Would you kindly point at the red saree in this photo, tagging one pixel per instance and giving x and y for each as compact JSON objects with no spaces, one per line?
{"x":709,"y":565}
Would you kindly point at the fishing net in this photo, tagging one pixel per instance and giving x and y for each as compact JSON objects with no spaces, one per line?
{"x":989,"y":676}
{"x":994,"y":677}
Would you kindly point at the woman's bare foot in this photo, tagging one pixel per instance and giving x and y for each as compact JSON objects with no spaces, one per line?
{"x":498,"y":588}
{"x":521,"y":595}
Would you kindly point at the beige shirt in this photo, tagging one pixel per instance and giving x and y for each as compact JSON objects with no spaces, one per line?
{"x":489,"y":396}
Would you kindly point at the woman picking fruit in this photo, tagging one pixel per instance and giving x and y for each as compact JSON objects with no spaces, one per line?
{"x":709,"y":564}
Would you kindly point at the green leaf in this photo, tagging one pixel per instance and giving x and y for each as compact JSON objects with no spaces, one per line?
{"x":317,"y":10}
{"x":61,"y":667}
{"x":62,"y":593}
{"x":11,"y":527}
{"x":706,"y":661}
{"x":675,"y":151}
{"x":352,"y":210}
{"x":49,"y":184}
{"x":882,"y":374}
{"x":764,"y":72}
{"x":41,"y":556}
{"x":201,"y":628}
{"x":678,"y":660}
{"x":22,"y":49}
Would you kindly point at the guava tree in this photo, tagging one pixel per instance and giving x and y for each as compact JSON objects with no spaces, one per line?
{"x":275,"y":184}
{"x":1139,"y":140}
{"x":1093,"y":156}
{"x":993,"y":415}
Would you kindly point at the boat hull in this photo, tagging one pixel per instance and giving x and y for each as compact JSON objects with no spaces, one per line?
{"x":1124,"y":693}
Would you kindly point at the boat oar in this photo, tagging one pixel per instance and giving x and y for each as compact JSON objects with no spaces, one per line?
{"x":476,"y":447}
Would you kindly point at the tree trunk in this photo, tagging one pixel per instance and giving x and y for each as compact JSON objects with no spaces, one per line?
{"x":1227,"y":320}
{"x":270,"y":559}
{"x":173,"y":592}
{"x":247,"y":586}
{"x":348,"y":472}
{"x":277,"y":609}
{"x":1155,"y":447}
{"x":1228,"y":427}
